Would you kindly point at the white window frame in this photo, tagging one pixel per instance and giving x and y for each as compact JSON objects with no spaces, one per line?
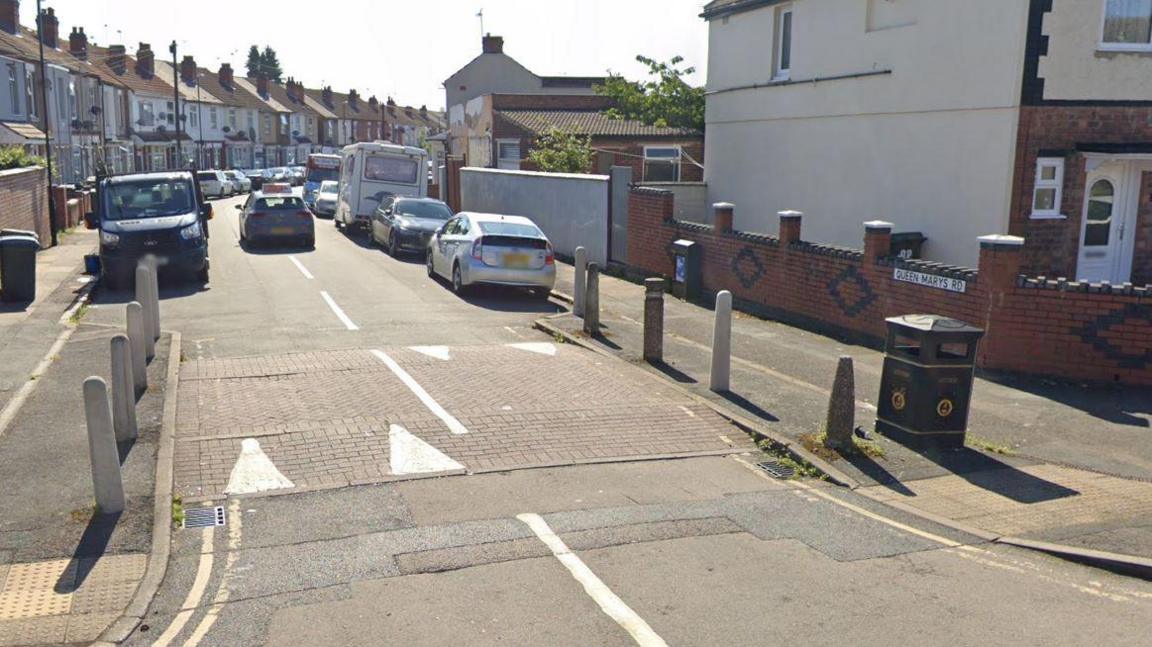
{"x":1056,"y":183}
{"x":500,"y":159}
{"x":679,"y":160}
{"x":779,"y":72}
{"x":14,"y":86}
{"x":1105,"y":46}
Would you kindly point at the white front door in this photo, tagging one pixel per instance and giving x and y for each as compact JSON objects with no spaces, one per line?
{"x":1111,"y":199}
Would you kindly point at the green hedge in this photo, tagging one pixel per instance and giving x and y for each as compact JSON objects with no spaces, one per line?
{"x":16,"y":157}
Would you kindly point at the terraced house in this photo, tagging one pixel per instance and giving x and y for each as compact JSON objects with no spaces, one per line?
{"x":855,"y":110}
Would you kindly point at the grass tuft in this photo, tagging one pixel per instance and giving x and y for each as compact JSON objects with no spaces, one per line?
{"x":985,"y":445}
{"x":177,"y":511}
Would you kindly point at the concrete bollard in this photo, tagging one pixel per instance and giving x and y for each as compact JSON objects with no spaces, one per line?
{"x":153,"y":268}
{"x":107,"y":483}
{"x":579,"y":281}
{"x":592,"y":300}
{"x":144,"y":298}
{"x":841,"y":420}
{"x":653,"y":320}
{"x":136,"y":334}
{"x":722,"y":344}
{"x":123,"y":395}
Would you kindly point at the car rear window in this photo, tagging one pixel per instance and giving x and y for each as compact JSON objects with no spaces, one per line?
{"x":206,"y":175}
{"x":277,"y":204}
{"x":510,"y":229}
{"x":429,"y":210}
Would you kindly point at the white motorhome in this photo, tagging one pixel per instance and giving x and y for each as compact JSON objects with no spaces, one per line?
{"x":371,"y":171}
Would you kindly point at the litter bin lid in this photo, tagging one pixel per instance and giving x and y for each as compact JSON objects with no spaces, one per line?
{"x":19,"y":232}
{"x":933,"y":323}
{"x":19,"y":241}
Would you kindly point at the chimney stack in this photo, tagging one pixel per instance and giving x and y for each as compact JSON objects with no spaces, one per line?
{"x":10,"y":16}
{"x":327,"y":95}
{"x":262,"y":85}
{"x":117,"y":58}
{"x":354,"y":99}
{"x":226,"y":75}
{"x":424,"y":112}
{"x":373,"y":103}
{"x":49,"y":28}
{"x":188,"y":70}
{"x":493,"y":44}
{"x":78,"y":43}
{"x":145,"y":61}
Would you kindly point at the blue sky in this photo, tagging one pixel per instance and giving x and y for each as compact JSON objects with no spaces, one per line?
{"x":400,"y":48}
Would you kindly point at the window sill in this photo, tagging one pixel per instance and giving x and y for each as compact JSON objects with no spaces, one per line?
{"x":1048,"y":216}
{"x":1113,"y":48}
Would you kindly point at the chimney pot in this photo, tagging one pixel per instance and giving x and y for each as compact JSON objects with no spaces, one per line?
{"x":262,"y":85}
{"x":188,"y":70}
{"x":78,"y":43}
{"x":226,"y":76}
{"x":116,"y":60}
{"x":145,"y":61}
{"x":493,"y":44}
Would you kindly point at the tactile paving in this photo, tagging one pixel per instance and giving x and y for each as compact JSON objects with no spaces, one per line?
{"x":41,"y":575}
{"x":103,"y":597}
{"x":86,"y":628}
{"x":113,"y":568}
{"x":40,"y":631}
{"x":18,"y":605}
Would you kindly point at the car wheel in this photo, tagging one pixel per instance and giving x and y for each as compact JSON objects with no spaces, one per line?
{"x":202,"y":275}
{"x":430,"y":266}
{"x":541,"y":294}
{"x":458,"y":281}
{"x":339,"y":225}
{"x":310,"y":242}
{"x":393,"y":250}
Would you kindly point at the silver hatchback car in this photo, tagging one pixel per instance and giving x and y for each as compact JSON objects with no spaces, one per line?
{"x":490,"y":249}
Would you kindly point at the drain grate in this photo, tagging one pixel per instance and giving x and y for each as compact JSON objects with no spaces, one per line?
{"x":775,"y":469}
{"x":205,"y":517}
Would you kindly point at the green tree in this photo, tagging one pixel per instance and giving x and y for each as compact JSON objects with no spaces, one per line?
{"x":558,"y":151}
{"x":255,"y":65}
{"x":666,"y":99}
{"x":271,"y":64}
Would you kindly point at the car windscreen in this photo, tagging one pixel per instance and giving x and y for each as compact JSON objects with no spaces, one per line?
{"x":287,"y":203}
{"x":330,"y":187}
{"x":323,"y":174}
{"x":206,"y":176}
{"x":509,"y":229}
{"x":148,"y":199}
{"x":397,"y":170}
{"x":429,"y":210}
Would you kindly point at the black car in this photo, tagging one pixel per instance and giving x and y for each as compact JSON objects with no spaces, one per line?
{"x":163,"y":215}
{"x":401,"y":223}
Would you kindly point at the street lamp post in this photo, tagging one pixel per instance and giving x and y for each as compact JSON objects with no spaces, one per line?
{"x":176,"y":100}
{"x":52,"y":222}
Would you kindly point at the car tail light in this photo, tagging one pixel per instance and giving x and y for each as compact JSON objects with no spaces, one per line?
{"x":304,"y":214}
{"x":256,"y":215}
{"x":550,"y":255}
{"x":478,"y":249}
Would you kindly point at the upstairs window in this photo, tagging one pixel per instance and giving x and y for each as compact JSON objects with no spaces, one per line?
{"x":1049,"y":189}
{"x":14,"y":88}
{"x":783,"y":56}
{"x":1127,"y":25}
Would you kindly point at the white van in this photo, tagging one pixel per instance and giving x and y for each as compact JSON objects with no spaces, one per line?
{"x":369,"y":172}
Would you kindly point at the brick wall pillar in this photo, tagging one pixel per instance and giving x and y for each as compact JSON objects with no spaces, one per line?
{"x":60,"y":201}
{"x":877,"y":239}
{"x":1001,"y":259}
{"x":790,"y":227}
{"x":452,"y":171}
{"x":724,"y":214}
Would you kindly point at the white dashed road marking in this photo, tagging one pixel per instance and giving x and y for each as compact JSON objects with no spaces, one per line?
{"x":300,"y":266}
{"x":411,"y":455}
{"x":348,"y":323}
{"x":453,"y":424}
{"x":255,"y":472}
{"x":608,"y":601}
{"x":438,"y":352}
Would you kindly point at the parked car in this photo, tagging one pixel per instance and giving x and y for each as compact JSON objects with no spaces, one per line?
{"x":297,"y":174}
{"x":214,"y":183}
{"x":478,"y":248}
{"x":240,"y":182}
{"x":163,"y":215}
{"x":256,"y":175}
{"x":407,"y":224}
{"x":326,"y":197}
{"x":276,"y":215}
{"x":273,"y":175}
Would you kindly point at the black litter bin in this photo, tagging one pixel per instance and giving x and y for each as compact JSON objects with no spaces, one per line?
{"x":908,"y":245}
{"x":926,"y":386}
{"x":18,"y":266}
{"x":688,"y":279}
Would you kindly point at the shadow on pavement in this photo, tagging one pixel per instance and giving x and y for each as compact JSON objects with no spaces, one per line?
{"x":1114,"y":404}
{"x":169,"y":289}
{"x":876,"y":472}
{"x":749,"y":406}
{"x":273,"y":249}
{"x":987,"y":473}
{"x":666,"y":369}
{"x":93,"y":544}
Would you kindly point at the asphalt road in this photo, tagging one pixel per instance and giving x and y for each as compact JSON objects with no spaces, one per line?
{"x":697,"y":551}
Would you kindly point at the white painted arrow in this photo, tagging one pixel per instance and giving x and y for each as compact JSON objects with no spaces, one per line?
{"x":438,"y":352}
{"x":541,"y":348}
{"x":410,"y":455}
{"x":255,"y":472}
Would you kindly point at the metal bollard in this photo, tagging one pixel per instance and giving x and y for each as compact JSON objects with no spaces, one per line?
{"x":144,"y":298}
{"x":155,"y":297}
{"x":579,"y":281}
{"x":722,"y":344}
{"x":592,"y":300}
{"x":841,"y":421}
{"x":653,"y":320}
{"x":123,"y":396}
{"x":107,"y":483}
{"x":136,"y":334}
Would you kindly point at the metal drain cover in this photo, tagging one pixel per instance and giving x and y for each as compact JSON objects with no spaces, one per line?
{"x":204,"y":517}
{"x":776,"y":470}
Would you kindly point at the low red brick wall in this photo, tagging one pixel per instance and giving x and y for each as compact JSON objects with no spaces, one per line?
{"x":24,"y":201}
{"x":1068,"y":330}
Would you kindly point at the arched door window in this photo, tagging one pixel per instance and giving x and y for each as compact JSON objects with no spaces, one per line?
{"x":1101,"y":207}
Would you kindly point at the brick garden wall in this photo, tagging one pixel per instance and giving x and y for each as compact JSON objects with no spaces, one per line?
{"x":1062,"y":329}
{"x":24,"y":202}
